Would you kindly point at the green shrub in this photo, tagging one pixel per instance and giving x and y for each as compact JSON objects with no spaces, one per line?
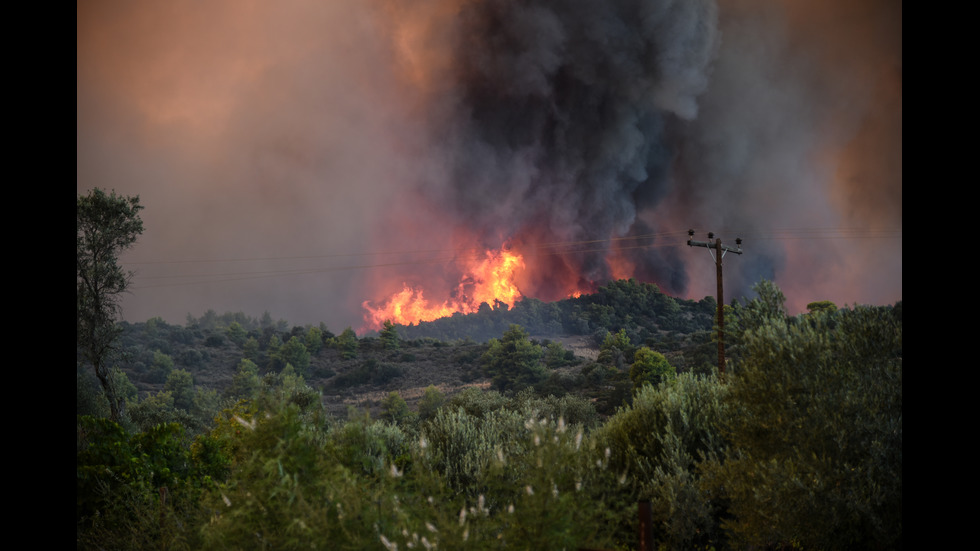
{"x":658,"y":442}
{"x":430,"y":402}
{"x":513,"y":362}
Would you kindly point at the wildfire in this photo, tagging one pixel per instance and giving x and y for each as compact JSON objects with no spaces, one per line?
{"x":488,"y":278}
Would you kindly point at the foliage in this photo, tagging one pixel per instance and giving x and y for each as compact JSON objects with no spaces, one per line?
{"x":650,"y":368}
{"x":180,"y":402}
{"x":138,"y":491}
{"x":207,"y":403}
{"x":821,"y":306}
{"x":180,"y":383}
{"x":430,"y":402}
{"x":367,"y":372}
{"x":724,"y":464}
{"x":768,"y":307}
{"x":658,"y":443}
{"x":302,"y":485}
{"x":640,"y":307}
{"x":161,"y":367}
{"x":366,"y":447}
{"x":313,"y":340}
{"x":542,"y":491}
{"x":246,"y":381}
{"x":816,"y":433}
{"x":154,"y":409}
{"x":250,"y":349}
{"x":555,"y":356}
{"x":394,"y":408}
{"x":347,"y":343}
{"x":477,"y":402}
{"x":273,"y":345}
{"x":288,"y":388}
{"x":89,"y":398}
{"x":125,"y":389}
{"x":293,"y":353}
{"x":513,"y":361}
{"x":463,"y":446}
{"x":275,"y":494}
{"x":389,"y":336}
{"x":572,"y":410}
{"x":236,"y":333}
{"x":616,"y":350}
{"x":106,"y":225}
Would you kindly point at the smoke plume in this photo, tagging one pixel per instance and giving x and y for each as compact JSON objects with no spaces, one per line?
{"x":561,"y":116}
{"x":329,"y":153}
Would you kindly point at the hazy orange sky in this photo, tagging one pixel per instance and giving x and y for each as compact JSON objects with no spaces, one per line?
{"x":300,"y":157}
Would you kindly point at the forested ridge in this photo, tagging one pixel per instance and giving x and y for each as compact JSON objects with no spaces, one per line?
{"x":240,"y":432}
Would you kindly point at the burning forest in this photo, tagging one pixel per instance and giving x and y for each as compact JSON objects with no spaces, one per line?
{"x":358,"y":162}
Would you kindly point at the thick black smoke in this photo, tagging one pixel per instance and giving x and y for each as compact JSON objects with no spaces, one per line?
{"x":580,"y":120}
{"x":561,"y":117}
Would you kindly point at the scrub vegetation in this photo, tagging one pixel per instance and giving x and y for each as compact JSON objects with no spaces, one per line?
{"x":243,"y":433}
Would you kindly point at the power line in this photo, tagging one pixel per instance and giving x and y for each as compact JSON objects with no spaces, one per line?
{"x":778,"y":234}
{"x":530,"y":250}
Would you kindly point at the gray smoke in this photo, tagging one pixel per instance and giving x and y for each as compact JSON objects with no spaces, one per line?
{"x":303,"y":139}
{"x":574,"y":121}
{"x":561,"y":118}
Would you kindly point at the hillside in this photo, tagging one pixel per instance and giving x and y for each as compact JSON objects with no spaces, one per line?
{"x":444,"y":353}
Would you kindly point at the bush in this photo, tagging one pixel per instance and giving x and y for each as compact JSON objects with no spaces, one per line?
{"x":394,"y":408}
{"x":432,"y":399}
{"x":513,"y":362}
{"x":649,"y":368}
{"x":369,"y":372}
{"x":659,"y":442}
{"x":463,"y":446}
{"x":347,"y":344}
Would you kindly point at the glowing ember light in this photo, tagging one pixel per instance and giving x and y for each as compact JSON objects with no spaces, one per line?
{"x":486,"y":279}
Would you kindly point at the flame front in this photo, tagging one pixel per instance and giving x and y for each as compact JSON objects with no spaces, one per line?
{"x":488,"y":278}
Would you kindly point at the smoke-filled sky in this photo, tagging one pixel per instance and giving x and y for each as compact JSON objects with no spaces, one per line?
{"x":303,"y":157}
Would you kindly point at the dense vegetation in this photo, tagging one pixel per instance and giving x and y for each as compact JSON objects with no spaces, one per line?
{"x":640,"y":308}
{"x":234,"y":431}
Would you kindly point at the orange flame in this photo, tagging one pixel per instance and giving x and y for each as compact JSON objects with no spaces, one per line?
{"x":488,"y":278}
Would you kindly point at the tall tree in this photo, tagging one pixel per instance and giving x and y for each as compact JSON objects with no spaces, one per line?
{"x":389,"y":336}
{"x":294,"y":352}
{"x":815,"y":433}
{"x":513,"y":361}
{"x":347,"y":343}
{"x":107,"y":224}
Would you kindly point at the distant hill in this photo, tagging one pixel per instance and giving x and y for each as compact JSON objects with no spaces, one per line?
{"x":640,"y":308}
{"x":444,"y":352}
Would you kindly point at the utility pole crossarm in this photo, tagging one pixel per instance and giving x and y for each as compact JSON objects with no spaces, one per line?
{"x":737,"y":249}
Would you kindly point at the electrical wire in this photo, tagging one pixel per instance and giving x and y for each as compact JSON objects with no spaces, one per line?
{"x":445,"y":256}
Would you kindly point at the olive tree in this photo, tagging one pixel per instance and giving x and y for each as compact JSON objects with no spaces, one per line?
{"x":815,"y":433}
{"x":106,"y":225}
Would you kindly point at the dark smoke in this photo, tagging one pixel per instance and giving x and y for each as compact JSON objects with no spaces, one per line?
{"x":303,"y":138}
{"x":597,"y":120}
{"x":561,"y":116}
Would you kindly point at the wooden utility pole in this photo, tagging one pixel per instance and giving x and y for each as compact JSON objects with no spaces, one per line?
{"x":646,"y":526}
{"x":719,"y":252}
